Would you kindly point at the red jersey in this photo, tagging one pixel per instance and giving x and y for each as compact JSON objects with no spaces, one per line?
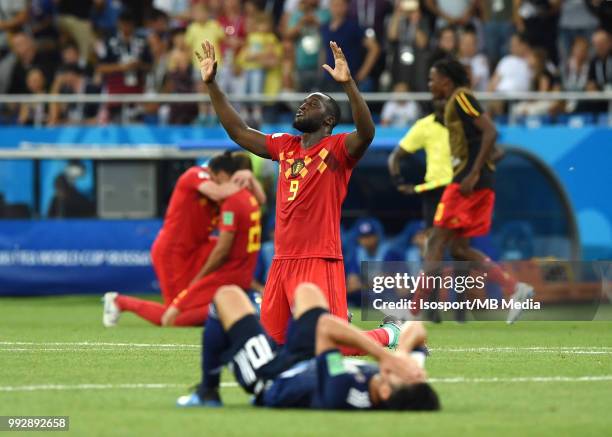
{"x":190,"y":216}
{"x":240,"y":214}
{"x":232,"y":28}
{"x":312,"y":185}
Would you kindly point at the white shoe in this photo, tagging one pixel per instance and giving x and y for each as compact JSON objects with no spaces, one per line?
{"x":522,"y":292}
{"x":111,"y":313}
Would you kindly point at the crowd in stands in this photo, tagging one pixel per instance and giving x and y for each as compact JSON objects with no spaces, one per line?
{"x":270,"y":46}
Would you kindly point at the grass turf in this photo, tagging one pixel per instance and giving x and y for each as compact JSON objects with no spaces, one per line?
{"x":504,"y":407}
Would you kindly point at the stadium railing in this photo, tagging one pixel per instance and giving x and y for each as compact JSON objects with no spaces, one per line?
{"x":294,"y":98}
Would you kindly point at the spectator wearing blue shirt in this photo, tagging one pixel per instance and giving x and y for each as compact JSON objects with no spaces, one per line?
{"x":370,"y":247}
{"x":360,"y":49}
{"x":104,"y":16}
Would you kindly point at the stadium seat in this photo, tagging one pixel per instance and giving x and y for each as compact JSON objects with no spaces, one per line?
{"x":515,"y":240}
{"x":401,"y":241}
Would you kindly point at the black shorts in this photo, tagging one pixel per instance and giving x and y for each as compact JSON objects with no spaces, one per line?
{"x":254,"y":356}
{"x":430,"y":200}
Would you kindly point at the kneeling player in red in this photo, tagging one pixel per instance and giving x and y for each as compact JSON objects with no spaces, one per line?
{"x":189,"y":273}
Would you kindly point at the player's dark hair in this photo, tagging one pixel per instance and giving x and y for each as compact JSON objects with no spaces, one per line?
{"x":454,"y":70}
{"x":243,"y":161}
{"x":332,"y":108}
{"x":414,"y":397}
{"x":223,"y":162}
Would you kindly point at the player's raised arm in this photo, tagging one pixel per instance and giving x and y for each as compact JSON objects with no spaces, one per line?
{"x":358,"y":141}
{"x":236,"y":128}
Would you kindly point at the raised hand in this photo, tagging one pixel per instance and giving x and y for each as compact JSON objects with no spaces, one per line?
{"x":208,"y":62}
{"x":340,"y":72}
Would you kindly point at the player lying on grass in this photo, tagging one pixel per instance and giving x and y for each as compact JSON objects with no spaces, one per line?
{"x":309,"y":371}
{"x":315,"y":168}
{"x":189,"y":264}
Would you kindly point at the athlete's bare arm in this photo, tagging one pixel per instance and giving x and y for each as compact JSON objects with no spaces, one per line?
{"x":357,"y":142}
{"x":333,"y":332}
{"x":241,"y":179}
{"x":218,"y":192}
{"x":236,"y":128}
{"x":246,"y":179}
{"x":218,"y":255}
{"x":215,"y":260}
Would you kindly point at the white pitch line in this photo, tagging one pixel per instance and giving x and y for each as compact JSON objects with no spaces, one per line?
{"x":26,"y":346}
{"x":83,"y":387}
{"x":95,"y":344}
{"x":151,"y":386}
{"x":523,"y":379}
{"x":97,"y":349}
{"x":62,"y":387}
{"x":565,"y":350}
{"x":183,"y":345}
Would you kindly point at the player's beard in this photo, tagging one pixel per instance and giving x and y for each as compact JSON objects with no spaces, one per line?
{"x":307,"y":125}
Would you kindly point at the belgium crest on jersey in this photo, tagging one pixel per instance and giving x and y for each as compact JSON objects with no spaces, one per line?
{"x":297,"y":167}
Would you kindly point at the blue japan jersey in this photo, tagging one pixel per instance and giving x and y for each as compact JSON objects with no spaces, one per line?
{"x":329,"y":382}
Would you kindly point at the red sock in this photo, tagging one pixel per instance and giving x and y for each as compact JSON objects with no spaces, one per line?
{"x":192,"y":317}
{"x":379,"y":335}
{"x":498,"y":275}
{"x":146,"y":309}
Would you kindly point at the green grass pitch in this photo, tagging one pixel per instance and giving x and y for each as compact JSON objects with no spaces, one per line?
{"x":533,"y":378}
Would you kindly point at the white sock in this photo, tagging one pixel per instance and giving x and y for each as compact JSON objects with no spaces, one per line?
{"x":391,"y":334}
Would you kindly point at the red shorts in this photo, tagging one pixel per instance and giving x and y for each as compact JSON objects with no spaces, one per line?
{"x":468,"y":216}
{"x":284,"y":277}
{"x":175,"y":269}
{"x":203,"y":291}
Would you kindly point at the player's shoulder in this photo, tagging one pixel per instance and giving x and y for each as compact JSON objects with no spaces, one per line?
{"x":283,"y":139}
{"x":282,"y":136}
{"x":466,"y":102}
{"x":424,"y":122}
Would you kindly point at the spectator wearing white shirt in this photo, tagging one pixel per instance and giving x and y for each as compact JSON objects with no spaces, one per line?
{"x":512,"y":73}
{"x":477,"y":63}
{"x":543,"y":80}
{"x":452,"y":12}
{"x":399,"y":112}
{"x":177,"y":10}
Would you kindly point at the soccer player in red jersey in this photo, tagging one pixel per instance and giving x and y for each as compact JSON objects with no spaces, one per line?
{"x":466,"y":207}
{"x":183,"y":246}
{"x":315,"y":168}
